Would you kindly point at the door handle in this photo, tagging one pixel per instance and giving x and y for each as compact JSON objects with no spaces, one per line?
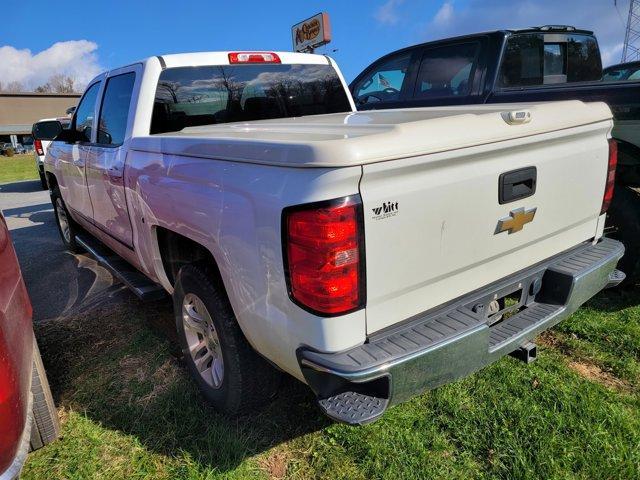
{"x":517,"y":117}
{"x":517,"y":184}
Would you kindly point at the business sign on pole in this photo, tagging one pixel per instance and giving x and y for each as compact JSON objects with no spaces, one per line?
{"x":311,"y":33}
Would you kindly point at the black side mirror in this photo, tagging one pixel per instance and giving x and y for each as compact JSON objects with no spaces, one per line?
{"x":46,"y":130}
{"x":104,"y":137}
{"x":68,"y":135}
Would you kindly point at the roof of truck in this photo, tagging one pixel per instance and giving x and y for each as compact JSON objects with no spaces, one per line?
{"x":551,"y":29}
{"x":222,"y":58}
{"x":623,"y":65}
{"x":196,"y":59}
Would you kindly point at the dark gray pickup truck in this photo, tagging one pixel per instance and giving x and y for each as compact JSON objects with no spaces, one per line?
{"x":538,"y":64}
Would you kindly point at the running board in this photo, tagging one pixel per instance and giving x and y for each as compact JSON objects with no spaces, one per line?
{"x":137,"y":282}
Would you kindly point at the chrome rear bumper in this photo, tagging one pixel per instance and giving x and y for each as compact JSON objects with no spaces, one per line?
{"x":454,"y":340}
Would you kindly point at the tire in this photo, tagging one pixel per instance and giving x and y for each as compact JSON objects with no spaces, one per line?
{"x":235,"y":379}
{"x":46,"y":426}
{"x":66,"y":226}
{"x":623,"y":218}
{"x":43,"y":181}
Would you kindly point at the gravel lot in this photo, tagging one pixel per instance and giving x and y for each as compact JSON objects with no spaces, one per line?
{"x":59,"y":282}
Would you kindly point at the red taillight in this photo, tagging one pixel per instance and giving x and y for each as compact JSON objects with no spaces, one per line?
{"x":253,"y":57}
{"x":324,"y":255}
{"x":611,"y":176}
{"x":37,"y":144}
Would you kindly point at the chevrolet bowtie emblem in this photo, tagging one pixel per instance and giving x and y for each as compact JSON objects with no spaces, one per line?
{"x":515,"y":221}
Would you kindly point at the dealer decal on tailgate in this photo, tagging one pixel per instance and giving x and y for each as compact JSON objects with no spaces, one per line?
{"x":388,"y":209}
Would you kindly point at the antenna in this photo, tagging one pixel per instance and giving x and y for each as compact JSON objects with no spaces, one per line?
{"x":631,"y":51}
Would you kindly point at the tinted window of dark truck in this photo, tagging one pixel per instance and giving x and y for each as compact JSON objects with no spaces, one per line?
{"x":192,"y":96}
{"x":383,"y":82}
{"x":446,"y":71}
{"x":543,"y":59}
{"x":619,"y":73}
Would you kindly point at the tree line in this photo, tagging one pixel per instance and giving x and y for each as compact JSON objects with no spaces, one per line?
{"x":57,"y":83}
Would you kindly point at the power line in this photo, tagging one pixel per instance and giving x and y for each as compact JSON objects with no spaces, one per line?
{"x":631,"y":50}
{"x":615,"y":4}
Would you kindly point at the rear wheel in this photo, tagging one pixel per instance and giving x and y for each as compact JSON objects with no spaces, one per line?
{"x":46,"y":426}
{"x":229,"y":373}
{"x":66,"y":226}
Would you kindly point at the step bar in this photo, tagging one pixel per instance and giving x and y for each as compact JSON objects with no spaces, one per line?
{"x":135,"y":280}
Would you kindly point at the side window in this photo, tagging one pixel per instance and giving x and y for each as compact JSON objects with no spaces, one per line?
{"x":114,"y":112}
{"x":613,"y":75}
{"x":446,"y":71}
{"x":383,"y":82}
{"x":85,"y":112}
{"x":621,"y":74}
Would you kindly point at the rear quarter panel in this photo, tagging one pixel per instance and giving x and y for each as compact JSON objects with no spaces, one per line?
{"x":234,"y":210}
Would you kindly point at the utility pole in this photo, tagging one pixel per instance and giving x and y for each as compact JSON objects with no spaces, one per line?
{"x":631,"y":51}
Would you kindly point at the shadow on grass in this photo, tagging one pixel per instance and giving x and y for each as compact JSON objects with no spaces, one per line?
{"x":120,"y":366}
{"x":615,"y":299}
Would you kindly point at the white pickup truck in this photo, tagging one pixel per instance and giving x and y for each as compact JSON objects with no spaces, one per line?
{"x":371,"y":255}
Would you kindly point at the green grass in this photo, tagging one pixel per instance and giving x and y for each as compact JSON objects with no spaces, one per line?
{"x":130,"y":411}
{"x":18,"y":167}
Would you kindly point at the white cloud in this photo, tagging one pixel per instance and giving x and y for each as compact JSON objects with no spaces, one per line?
{"x":485,"y":15}
{"x":387,"y":13}
{"x":76,"y":58}
{"x":444,"y":15}
{"x":611,"y":53}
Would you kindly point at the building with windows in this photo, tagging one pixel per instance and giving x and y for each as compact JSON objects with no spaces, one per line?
{"x":19,"y":111}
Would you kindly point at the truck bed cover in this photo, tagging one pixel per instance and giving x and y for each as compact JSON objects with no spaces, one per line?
{"x":358,"y":138}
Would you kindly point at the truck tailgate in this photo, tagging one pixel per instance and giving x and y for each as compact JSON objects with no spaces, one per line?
{"x":432,"y":221}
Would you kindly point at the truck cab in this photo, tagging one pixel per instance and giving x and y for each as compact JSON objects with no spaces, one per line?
{"x":486,"y":67}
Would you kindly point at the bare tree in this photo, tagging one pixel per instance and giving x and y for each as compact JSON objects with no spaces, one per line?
{"x":58,"y":83}
{"x":14,"y":87}
{"x":61,"y":83}
{"x":46,"y":88}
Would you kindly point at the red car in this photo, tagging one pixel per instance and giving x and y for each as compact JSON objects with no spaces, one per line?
{"x":28,"y":418}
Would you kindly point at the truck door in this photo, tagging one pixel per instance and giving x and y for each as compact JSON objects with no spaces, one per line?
{"x":106,"y":161}
{"x":72,"y":157}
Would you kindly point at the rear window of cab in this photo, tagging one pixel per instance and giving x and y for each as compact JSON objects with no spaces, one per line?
{"x":536,"y":59}
{"x":209,"y":95}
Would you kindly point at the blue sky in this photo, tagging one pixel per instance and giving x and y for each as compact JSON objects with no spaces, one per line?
{"x":101,"y":35}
